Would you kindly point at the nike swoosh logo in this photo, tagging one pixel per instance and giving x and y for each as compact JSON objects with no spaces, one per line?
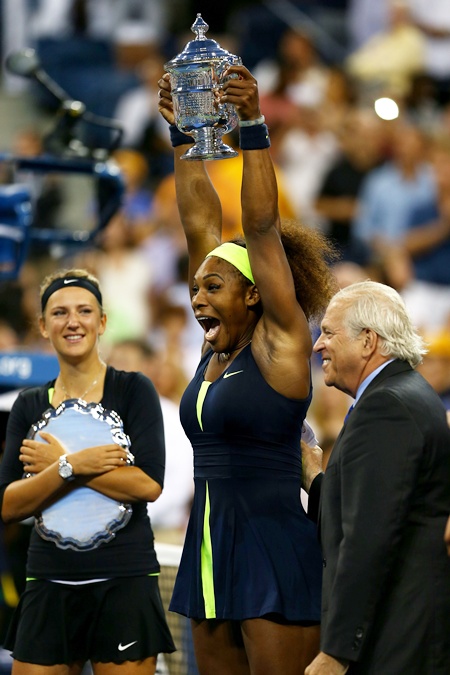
{"x":69,"y":281}
{"x":122,"y":647}
{"x":235,"y":372}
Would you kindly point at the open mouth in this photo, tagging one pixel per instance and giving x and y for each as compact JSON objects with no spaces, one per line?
{"x":210,"y":326}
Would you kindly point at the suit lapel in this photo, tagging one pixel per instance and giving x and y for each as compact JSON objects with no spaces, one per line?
{"x":393,"y":368}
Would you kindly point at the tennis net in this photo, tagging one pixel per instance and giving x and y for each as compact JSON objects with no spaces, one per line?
{"x":182,"y":661}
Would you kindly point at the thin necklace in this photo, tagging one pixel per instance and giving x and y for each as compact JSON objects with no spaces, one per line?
{"x":223,"y":357}
{"x":91,"y":386}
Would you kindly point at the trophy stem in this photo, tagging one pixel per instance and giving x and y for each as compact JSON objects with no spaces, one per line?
{"x":208,"y":145}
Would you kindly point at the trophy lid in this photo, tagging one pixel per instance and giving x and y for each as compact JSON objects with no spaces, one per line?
{"x":199,"y":49}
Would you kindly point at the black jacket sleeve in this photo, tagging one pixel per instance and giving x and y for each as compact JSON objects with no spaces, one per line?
{"x":314,"y":498}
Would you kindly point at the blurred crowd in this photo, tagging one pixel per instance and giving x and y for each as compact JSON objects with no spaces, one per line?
{"x":377,"y":185}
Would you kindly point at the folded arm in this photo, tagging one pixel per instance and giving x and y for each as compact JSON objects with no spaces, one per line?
{"x":25,"y":498}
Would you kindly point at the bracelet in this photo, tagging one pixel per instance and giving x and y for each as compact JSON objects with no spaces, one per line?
{"x":252,"y":123}
{"x":177,"y":137}
{"x":254,"y":138}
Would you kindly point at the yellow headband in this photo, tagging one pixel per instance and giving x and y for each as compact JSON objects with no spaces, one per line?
{"x":236,"y":255}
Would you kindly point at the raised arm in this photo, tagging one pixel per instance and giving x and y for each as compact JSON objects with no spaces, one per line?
{"x":198,"y":203}
{"x":283,"y":332}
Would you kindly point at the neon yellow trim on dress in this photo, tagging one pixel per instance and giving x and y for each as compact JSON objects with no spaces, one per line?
{"x":200,"y":400}
{"x":209,"y":597}
{"x":10,"y":595}
{"x":51,"y":391}
{"x":206,"y":556}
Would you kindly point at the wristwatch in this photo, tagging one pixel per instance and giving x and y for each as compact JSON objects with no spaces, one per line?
{"x":65,"y":468}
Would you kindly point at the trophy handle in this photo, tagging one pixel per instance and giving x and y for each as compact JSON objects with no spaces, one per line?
{"x":229,"y":116}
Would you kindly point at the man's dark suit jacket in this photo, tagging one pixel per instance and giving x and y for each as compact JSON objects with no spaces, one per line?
{"x":384,"y":503}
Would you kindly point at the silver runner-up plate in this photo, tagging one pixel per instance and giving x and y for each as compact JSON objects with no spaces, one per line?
{"x":83,"y":519}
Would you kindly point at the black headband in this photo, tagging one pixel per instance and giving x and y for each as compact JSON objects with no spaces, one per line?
{"x":66,"y":282}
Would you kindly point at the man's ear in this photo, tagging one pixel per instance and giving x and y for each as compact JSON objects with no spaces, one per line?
{"x":370,"y":341}
{"x":253,"y":296}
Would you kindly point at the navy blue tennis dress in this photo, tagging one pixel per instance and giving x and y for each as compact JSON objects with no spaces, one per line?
{"x":250,"y":549}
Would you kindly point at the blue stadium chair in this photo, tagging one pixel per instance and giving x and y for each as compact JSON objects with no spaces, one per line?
{"x":15,"y":222}
{"x":16,"y":213}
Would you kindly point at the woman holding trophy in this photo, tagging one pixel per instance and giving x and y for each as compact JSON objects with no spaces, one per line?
{"x":250,"y":574}
{"x":85,"y":472}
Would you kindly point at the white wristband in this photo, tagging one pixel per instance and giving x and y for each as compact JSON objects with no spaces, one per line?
{"x":252,"y":123}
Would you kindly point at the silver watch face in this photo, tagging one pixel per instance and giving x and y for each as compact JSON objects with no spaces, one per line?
{"x":65,"y":469}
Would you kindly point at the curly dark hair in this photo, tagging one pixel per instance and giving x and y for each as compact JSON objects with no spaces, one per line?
{"x":310,"y":255}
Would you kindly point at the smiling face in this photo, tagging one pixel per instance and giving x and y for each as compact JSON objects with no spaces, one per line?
{"x":73,"y":322}
{"x":221,"y":301}
{"x":343,"y":357}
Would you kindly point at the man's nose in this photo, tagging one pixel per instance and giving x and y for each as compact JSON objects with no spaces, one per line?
{"x":317,"y":346}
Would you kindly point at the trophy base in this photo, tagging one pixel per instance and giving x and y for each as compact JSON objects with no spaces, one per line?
{"x":198,"y":152}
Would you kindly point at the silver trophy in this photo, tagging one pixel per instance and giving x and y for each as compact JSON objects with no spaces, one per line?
{"x":83,"y":519}
{"x":196,"y":75}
